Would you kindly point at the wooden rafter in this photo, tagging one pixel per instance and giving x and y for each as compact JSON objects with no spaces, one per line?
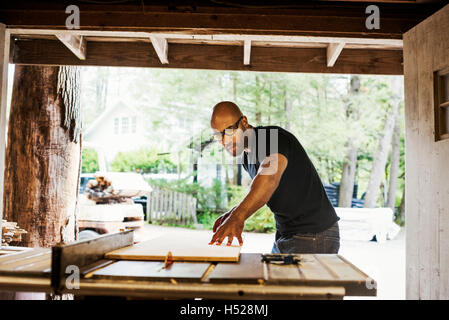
{"x":75,"y":43}
{"x":193,"y":56}
{"x":333,"y":51}
{"x":309,"y":18}
{"x":161,"y":47}
{"x":246,"y":52}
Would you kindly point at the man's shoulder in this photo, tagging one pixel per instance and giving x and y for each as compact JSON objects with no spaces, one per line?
{"x":282,"y":133}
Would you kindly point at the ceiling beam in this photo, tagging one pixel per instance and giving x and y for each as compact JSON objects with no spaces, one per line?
{"x":75,"y":43}
{"x":304,"y":18}
{"x":212,"y":37}
{"x":161,"y":47}
{"x":333,"y":51}
{"x":213,"y":57}
{"x":246,"y":52}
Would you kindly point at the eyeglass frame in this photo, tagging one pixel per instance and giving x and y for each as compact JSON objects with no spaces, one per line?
{"x":234,"y":126}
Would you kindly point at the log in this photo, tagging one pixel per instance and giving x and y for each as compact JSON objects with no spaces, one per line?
{"x":43,"y":154}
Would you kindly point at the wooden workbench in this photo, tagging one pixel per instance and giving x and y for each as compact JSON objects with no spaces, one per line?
{"x":318,"y":276}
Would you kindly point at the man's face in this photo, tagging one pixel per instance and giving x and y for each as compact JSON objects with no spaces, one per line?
{"x":233,"y":139}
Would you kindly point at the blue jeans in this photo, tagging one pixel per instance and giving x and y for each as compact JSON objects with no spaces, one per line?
{"x":327,"y":241}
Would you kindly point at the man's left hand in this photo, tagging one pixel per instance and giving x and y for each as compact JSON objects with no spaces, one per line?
{"x":230,"y":228}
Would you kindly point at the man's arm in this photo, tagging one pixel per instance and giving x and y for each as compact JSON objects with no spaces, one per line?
{"x":262,"y":188}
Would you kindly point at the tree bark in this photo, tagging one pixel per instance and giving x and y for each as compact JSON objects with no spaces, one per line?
{"x":43,"y":156}
{"x":394,"y":164}
{"x":348,"y":176}
{"x":380,"y":158}
{"x":350,"y":162}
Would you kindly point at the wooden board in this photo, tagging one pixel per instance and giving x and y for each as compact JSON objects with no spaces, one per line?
{"x":152,"y":270}
{"x":213,"y":57}
{"x":188,"y":247}
{"x":29,"y":262}
{"x":248,"y":270}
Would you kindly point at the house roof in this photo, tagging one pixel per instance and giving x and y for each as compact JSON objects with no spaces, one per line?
{"x":106,"y":113}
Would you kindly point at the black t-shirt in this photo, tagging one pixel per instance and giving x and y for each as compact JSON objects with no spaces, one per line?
{"x":299,"y":203}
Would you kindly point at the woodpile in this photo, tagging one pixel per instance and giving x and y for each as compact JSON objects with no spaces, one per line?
{"x":101,"y":191}
{"x":11,"y":233}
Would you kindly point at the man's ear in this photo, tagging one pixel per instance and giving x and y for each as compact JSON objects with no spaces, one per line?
{"x":244,"y":122}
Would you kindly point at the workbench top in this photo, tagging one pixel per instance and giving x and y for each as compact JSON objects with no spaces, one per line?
{"x":317,"y":276}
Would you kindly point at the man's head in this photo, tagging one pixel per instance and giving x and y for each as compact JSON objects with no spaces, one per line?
{"x":228,"y":124}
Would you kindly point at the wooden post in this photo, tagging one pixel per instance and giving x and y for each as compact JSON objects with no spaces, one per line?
{"x":42,"y":163}
{"x":4,"y":60}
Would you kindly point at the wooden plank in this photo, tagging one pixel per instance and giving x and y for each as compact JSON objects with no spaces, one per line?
{"x":191,"y":247}
{"x":412,"y":207}
{"x":75,"y":43}
{"x":83,"y":253}
{"x":214,"y":39}
{"x":246,"y":52}
{"x":215,"y":57}
{"x":160,"y":45}
{"x":341,"y":269}
{"x":29,"y":261}
{"x":249,"y":269}
{"x":300,"y":19}
{"x":283,"y":273}
{"x":4,"y":60}
{"x":312,"y":270}
{"x":152,"y":270}
{"x":333,"y":52}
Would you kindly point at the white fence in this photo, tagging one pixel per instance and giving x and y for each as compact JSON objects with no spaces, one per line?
{"x":169,"y":206}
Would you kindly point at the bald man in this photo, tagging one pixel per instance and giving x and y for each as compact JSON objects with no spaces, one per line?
{"x":283,"y":177}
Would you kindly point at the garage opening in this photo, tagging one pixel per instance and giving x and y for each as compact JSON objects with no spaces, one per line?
{"x":156,"y":124}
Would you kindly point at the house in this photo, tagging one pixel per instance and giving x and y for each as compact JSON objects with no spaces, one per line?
{"x":119,"y":128}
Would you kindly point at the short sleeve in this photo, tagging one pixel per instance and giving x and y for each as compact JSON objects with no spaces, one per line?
{"x":279,"y":143}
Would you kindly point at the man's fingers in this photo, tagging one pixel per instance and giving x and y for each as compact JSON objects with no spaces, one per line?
{"x":239,"y":237}
{"x":214,"y":238}
{"x":216,"y":224}
{"x":230,"y":238}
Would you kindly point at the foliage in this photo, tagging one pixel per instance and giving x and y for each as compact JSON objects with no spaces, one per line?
{"x":89,"y":161}
{"x":146,"y":161}
{"x":261,"y":221}
{"x":316,"y":108}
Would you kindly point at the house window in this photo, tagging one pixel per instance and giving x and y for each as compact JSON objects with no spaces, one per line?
{"x":134,"y":124}
{"x":116,"y":125}
{"x":125,"y":125}
{"x":441,"y":89}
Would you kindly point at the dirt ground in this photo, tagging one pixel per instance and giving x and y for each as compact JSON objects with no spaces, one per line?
{"x":384,"y":262}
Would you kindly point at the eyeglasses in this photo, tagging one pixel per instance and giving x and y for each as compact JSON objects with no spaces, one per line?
{"x":229,"y":131}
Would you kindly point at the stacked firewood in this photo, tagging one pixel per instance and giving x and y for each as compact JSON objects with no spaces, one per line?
{"x":101,"y":191}
{"x":11,"y":233}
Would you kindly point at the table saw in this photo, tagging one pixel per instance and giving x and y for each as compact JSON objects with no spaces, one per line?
{"x":81,"y":269}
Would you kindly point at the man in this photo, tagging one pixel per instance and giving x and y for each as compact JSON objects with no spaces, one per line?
{"x":283,"y":177}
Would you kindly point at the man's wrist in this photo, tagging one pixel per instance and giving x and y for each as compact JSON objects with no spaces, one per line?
{"x":240,"y":214}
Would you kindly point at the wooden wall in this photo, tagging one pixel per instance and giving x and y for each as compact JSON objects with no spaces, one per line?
{"x":426,"y":49}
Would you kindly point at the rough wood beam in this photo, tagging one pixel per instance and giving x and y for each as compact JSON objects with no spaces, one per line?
{"x":333,"y":51}
{"x":161,"y":47}
{"x":75,"y":43}
{"x":246,"y":52}
{"x":216,"y":57}
{"x":309,"y":18}
{"x":4,"y":60}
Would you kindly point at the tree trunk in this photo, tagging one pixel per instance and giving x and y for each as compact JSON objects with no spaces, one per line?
{"x":400,"y":218}
{"x":348,"y":176}
{"x":394,"y":164}
{"x":43,"y":154}
{"x":380,"y":159}
{"x":350,"y":162}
